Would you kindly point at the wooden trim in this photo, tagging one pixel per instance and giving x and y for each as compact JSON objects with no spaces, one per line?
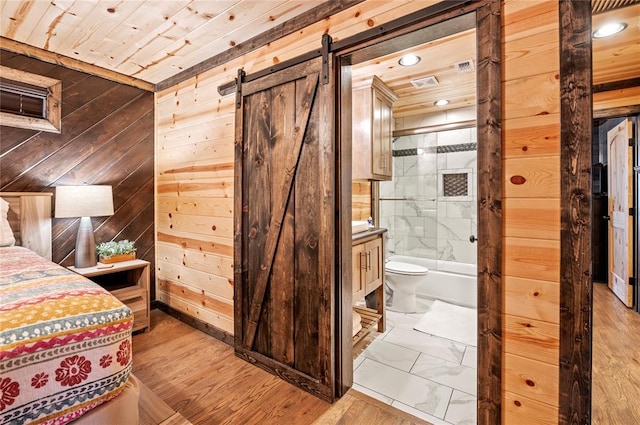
{"x":309,"y":17}
{"x":575,"y":212}
{"x":489,"y":103}
{"x":617,"y":112}
{"x":44,"y":55}
{"x":440,"y":29}
{"x":344,"y":271}
{"x":430,"y":15}
{"x":202,"y":326}
{"x":616,"y":85}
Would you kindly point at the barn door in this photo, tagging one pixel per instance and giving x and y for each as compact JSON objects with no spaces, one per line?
{"x":284,"y":226}
{"x":620,"y":157}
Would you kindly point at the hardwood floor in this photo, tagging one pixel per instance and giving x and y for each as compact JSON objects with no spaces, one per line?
{"x":616,"y":361}
{"x":201,"y":378}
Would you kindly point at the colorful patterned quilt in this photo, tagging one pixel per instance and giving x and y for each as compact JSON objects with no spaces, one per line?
{"x":65,"y":342}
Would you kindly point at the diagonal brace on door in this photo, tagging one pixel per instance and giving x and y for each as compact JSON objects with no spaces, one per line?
{"x":277,"y":217}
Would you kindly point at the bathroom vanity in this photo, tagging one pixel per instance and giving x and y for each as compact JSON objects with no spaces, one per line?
{"x":368,"y":280}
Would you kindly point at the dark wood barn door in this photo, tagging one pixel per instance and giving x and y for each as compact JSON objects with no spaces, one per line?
{"x":285,"y":236}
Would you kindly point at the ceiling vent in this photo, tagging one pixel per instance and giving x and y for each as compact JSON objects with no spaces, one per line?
{"x":421,"y":83}
{"x":464,"y":67}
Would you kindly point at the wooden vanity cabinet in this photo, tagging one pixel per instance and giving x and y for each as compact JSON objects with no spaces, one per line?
{"x":368,"y":281}
{"x":368,"y":259}
{"x":372,"y":129}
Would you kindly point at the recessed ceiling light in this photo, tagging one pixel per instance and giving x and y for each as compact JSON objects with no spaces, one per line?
{"x":609,"y":29}
{"x":409,"y":59}
{"x":441,"y":102}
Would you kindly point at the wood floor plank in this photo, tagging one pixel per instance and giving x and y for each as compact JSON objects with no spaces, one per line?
{"x":200,"y":378}
{"x":152,"y":410}
{"x":616,"y":360}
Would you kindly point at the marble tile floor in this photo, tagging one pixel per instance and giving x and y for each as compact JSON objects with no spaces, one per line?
{"x":429,"y":377}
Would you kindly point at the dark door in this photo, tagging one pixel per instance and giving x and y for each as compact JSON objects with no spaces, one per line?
{"x":284,"y":226}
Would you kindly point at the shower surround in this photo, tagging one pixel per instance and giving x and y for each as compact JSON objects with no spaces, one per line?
{"x":430,"y":205}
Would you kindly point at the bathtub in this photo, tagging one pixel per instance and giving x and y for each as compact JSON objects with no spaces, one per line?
{"x":455,"y":283}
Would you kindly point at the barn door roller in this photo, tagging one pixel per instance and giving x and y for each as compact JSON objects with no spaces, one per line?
{"x":326,"y":48}
{"x":239,"y":81}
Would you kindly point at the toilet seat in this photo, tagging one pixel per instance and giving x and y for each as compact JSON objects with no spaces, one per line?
{"x":405,"y":268}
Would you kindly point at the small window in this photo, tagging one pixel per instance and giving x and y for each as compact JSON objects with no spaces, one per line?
{"x":30,"y":101}
{"x":23,"y":99}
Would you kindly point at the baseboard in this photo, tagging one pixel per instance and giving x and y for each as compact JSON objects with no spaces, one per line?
{"x":205,"y":327}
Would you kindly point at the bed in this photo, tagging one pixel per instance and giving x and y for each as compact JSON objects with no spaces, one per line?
{"x":65,"y":342}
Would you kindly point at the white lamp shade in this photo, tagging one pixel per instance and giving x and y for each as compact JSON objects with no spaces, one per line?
{"x":84,"y":201}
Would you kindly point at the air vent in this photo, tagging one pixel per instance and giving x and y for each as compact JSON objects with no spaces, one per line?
{"x":464,"y":67}
{"x":421,"y":83}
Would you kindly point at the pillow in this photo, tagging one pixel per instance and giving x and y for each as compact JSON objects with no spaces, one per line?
{"x":6,"y":234}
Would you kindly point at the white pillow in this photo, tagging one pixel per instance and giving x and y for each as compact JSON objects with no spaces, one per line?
{"x":6,"y":234}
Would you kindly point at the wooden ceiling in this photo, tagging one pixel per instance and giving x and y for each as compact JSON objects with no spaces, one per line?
{"x":152,"y":41}
{"x":615,"y":58}
{"x":438,"y":59}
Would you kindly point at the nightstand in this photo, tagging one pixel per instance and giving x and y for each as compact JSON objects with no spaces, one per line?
{"x":128,"y":281}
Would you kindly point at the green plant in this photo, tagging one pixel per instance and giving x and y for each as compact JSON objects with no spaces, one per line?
{"x":107,"y":249}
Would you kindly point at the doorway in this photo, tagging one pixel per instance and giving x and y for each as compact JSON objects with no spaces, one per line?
{"x":489,"y":221}
{"x":615,"y":252}
{"x":615,"y":198}
{"x":263,"y":220}
{"x":428,"y":206}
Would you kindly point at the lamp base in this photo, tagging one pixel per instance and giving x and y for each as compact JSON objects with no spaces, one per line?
{"x":85,"y":245}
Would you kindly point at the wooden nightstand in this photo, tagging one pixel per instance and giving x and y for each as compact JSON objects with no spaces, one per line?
{"x":128,"y":281}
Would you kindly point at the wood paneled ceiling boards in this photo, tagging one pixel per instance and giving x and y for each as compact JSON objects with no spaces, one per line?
{"x":153,"y":44}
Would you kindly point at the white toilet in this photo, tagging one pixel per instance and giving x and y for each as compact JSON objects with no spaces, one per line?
{"x":402,"y":280}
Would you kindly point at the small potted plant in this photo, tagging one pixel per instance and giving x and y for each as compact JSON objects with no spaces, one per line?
{"x":113,"y":252}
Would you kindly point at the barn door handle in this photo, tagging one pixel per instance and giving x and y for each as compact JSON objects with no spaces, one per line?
{"x":473,"y":239}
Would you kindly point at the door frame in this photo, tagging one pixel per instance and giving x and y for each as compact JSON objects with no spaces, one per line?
{"x":489,"y":106}
{"x":489,"y":136}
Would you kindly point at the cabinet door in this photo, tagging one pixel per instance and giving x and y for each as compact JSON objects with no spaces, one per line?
{"x":386,"y":138}
{"x":359,"y":270}
{"x":381,"y":136}
{"x":374,"y":264}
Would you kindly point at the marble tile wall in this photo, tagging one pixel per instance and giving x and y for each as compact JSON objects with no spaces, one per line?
{"x":422,"y":222}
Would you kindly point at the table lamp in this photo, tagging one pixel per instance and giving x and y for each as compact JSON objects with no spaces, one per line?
{"x":84,"y":202}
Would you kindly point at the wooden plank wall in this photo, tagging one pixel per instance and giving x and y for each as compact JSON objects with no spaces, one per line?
{"x":107,"y":138}
{"x":360,"y":200}
{"x":194,"y":131}
{"x":531,"y":161}
{"x":195,"y":177}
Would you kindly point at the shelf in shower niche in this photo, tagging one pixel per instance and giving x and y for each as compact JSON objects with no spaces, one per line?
{"x":369,"y":322}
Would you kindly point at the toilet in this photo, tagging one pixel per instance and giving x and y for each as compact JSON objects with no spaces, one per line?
{"x":402,"y":279}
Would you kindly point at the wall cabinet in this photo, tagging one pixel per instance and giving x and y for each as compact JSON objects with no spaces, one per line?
{"x":372,"y":128}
